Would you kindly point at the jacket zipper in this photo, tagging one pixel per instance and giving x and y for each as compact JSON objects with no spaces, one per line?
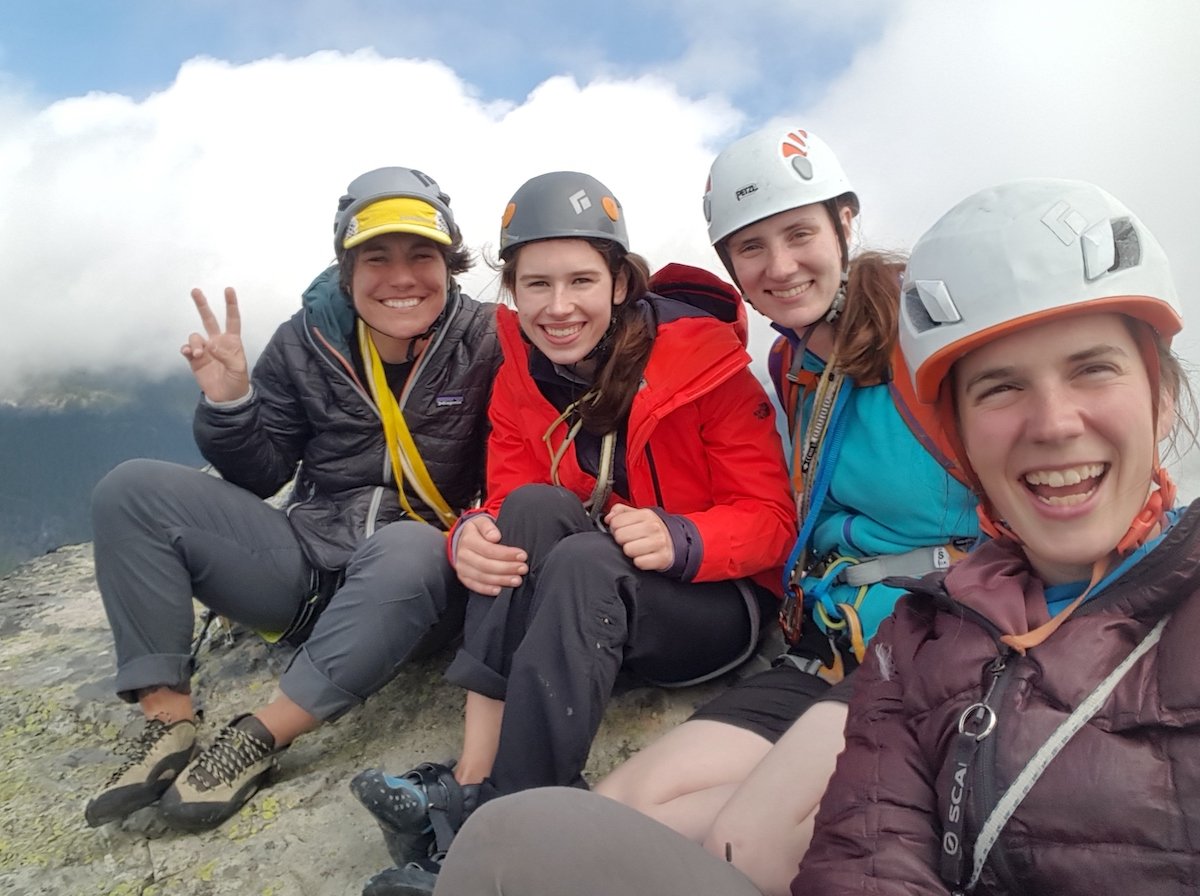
{"x":658,"y":498}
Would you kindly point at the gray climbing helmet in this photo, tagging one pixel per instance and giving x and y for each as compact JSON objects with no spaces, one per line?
{"x":393,"y":200}
{"x":562,"y":205}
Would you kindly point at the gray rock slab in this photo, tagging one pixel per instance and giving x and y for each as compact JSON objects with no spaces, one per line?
{"x":306,"y":835}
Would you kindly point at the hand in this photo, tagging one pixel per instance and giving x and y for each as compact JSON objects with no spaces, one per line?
{"x":217,"y":358}
{"x":483,"y":564}
{"x":642,"y":535}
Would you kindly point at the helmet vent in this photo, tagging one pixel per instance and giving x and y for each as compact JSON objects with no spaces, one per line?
{"x":1129,"y":248}
{"x":917,"y":314}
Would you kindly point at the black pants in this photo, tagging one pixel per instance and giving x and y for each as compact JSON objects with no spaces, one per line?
{"x":551,"y":648}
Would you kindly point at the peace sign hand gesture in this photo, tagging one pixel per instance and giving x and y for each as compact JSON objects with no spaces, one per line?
{"x":217,"y":358}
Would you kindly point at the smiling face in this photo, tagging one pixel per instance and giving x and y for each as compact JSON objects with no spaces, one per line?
{"x":399,"y":289}
{"x":789,"y":266}
{"x":564,"y":295}
{"x":1058,"y":423}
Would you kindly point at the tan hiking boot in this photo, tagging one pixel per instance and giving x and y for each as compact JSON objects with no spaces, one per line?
{"x":222,"y":778}
{"x":155,"y":759}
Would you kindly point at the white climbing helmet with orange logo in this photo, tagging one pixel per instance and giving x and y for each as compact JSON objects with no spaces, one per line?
{"x":767,"y":172}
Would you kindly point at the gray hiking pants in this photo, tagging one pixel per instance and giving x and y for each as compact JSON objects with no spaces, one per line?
{"x":164,"y":532}
{"x":555,"y":840}
{"x":552,"y":647}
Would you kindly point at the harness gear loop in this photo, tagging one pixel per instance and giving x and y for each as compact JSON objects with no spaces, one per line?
{"x":402,"y":450}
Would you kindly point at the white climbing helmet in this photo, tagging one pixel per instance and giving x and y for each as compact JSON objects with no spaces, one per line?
{"x":1018,"y":254}
{"x":770,"y":171}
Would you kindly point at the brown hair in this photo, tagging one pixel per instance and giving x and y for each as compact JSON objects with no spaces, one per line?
{"x":458,"y":260}
{"x":629,"y":338}
{"x":865,"y":333}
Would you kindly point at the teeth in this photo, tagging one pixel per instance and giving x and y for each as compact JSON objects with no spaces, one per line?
{"x":1067,"y":500}
{"x":563,"y":332}
{"x":1059,"y":478}
{"x":789,"y":293}
{"x":401,"y":303}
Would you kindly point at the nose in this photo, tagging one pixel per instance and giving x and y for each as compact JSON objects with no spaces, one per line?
{"x":780,"y":263}
{"x":560,"y":304}
{"x":400,"y":272}
{"x":1054,"y":415}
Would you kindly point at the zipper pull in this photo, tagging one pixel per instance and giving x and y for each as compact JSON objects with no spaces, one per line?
{"x":979,"y":719}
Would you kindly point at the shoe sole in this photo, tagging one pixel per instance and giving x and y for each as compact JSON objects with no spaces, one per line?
{"x":116,"y":805}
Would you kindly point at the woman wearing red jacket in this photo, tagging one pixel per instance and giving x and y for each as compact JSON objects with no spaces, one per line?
{"x":638,"y":512}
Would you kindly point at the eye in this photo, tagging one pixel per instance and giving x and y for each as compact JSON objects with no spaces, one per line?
{"x":993,"y":392}
{"x":747,"y":249}
{"x":584,"y":280}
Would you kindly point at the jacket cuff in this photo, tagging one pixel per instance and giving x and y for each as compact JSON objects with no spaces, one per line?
{"x":685,"y":539}
{"x":232,"y":404}
{"x":456,"y":532}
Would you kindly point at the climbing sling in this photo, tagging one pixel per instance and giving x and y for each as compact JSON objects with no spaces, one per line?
{"x":406,"y":460}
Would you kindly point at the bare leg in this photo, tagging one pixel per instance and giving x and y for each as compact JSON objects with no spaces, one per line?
{"x":286,"y":720}
{"x":481,"y":738}
{"x":165,"y":704}
{"x":685,"y":777}
{"x":767,"y":824}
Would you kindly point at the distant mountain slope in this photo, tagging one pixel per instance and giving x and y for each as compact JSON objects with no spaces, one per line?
{"x":55,"y":449}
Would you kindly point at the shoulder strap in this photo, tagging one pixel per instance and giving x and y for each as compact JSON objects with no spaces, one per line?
{"x":920,"y":418}
{"x":779,"y":362}
{"x":1023,"y":783}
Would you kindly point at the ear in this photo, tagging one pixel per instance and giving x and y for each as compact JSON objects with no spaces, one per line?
{"x":620,"y":286}
{"x":1166,"y":414}
{"x":846,"y":214}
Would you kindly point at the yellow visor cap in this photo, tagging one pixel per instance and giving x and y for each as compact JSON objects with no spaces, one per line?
{"x":400,"y":214}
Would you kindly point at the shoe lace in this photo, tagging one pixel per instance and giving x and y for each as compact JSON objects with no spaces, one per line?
{"x":231,"y":754}
{"x":139,"y":749}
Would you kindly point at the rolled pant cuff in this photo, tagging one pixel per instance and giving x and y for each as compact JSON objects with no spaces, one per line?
{"x":468,"y":672}
{"x":310,"y":689}
{"x":171,"y":670}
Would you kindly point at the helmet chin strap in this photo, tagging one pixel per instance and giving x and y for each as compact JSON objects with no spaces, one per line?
{"x":1148,"y":519}
{"x":1145,"y":523}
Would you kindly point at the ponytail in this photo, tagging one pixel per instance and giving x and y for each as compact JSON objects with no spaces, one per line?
{"x":866,"y":331}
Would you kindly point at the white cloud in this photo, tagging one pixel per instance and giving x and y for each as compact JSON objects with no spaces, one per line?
{"x":115,"y":209}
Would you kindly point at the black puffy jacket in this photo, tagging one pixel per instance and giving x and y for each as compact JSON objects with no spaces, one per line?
{"x":310,"y":408}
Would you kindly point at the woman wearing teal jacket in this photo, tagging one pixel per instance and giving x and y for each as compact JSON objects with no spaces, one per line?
{"x":875,"y":497}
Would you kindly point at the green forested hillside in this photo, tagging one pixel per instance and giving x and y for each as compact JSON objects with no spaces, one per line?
{"x":52,"y":454}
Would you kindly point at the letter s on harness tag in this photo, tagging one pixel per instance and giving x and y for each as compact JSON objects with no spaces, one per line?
{"x":941,"y":557}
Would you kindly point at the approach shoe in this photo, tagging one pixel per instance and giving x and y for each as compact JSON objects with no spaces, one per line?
{"x":154,"y":760}
{"x":416,"y":878}
{"x":222,"y":778}
{"x":419,"y":811}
